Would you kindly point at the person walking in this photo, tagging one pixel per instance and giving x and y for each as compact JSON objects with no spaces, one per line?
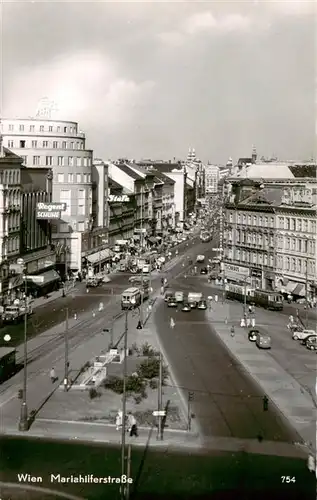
{"x":118,"y":420}
{"x":132,"y":425}
{"x":53,"y":375}
{"x":172,"y":323}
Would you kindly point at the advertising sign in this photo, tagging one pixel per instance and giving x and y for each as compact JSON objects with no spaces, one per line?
{"x":236,"y":273}
{"x":112,"y":198}
{"x":49,"y":211}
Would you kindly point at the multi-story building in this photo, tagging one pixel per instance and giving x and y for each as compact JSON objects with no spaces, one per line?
{"x":60,"y":146}
{"x":121,"y":203}
{"x":212,"y":176}
{"x":21,"y":233}
{"x":168,"y":204}
{"x":270,"y":231}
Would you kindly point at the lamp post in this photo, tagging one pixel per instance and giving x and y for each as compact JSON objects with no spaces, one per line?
{"x":124,"y":406}
{"x":24,"y":421}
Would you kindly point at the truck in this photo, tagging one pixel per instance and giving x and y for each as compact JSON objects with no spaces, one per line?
{"x":194,"y":297}
{"x":200,"y":259}
{"x":14,"y":314}
{"x":179,"y":297}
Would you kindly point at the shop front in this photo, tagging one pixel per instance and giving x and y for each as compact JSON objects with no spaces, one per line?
{"x":98,"y":260}
{"x":236,"y":274}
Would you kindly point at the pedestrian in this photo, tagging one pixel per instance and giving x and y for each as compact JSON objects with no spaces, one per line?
{"x":250,"y":309}
{"x":172,"y":323}
{"x":162,"y":290}
{"x":118,"y":420}
{"x":132,"y":425}
{"x":53,"y":375}
{"x":232,"y":331}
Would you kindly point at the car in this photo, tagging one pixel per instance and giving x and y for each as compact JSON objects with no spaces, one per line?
{"x":307,"y":339}
{"x":263,"y":341}
{"x":171,"y":302}
{"x":302,"y":335}
{"x":168,"y":295}
{"x":193,"y":305}
{"x":202,"y":304}
{"x":186,"y":308}
{"x":204,"y":270}
{"x":253,"y":334}
{"x":311,"y":343}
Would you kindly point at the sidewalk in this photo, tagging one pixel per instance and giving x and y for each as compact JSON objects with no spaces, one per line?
{"x":282,"y":389}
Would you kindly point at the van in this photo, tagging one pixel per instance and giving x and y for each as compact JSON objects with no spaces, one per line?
{"x":179,"y":296}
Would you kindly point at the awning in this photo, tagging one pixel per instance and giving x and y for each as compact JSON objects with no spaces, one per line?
{"x":16,"y":281}
{"x":290,"y":287}
{"x":300,"y":290}
{"x":45,"y":278}
{"x":99,"y":256}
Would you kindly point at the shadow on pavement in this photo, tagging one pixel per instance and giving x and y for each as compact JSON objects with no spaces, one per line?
{"x":137,"y":480}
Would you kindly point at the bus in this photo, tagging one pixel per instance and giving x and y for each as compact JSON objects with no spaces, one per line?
{"x":267,"y":299}
{"x":205,"y":236}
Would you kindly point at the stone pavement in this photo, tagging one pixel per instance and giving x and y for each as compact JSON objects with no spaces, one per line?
{"x":282,"y":389}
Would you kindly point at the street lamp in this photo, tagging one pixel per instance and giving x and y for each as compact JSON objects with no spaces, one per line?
{"x":24,"y":421}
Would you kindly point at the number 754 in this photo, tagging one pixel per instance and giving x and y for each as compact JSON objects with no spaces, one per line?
{"x":288,"y":479}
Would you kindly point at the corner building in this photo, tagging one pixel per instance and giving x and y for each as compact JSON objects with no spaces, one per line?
{"x":59,"y":145}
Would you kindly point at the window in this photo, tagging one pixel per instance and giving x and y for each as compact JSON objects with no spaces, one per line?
{"x":266,"y":221}
{"x":293,"y":244}
{"x":78,"y":178}
{"x":41,"y":128}
{"x":70,"y":161}
{"x":260,"y":221}
{"x":24,"y":158}
{"x":49,"y":161}
{"x":71,"y":145}
{"x":78,"y":161}
{"x":299,"y":265}
{"x":230,"y":217}
{"x":271,"y":221}
{"x":293,"y":264}
{"x":299,"y":242}
{"x":65,"y":130}
{"x":85,"y":178}
{"x":34,"y":144}
{"x":249,"y":220}
{"x":71,"y":130}
{"x":64,"y":145}
{"x":60,"y":178}
{"x":70,"y":178}
{"x":299,"y":224}
{"x":50,"y":128}
{"x":58,"y":129}
{"x":305,"y":225}
{"x":11,"y":127}
{"x":60,"y":161}
{"x":271,"y":261}
{"x":288,"y":241}
{"x":63,"y":228}
{"x":10,"y":144}
{"x":45,"y":144}
{"x":287,"y":223}
{"x":65,"y":198}
{"x":22,"y":144}
{"x":55,"y":144}
{"x":21,"y":128}
{"x":293,"y":224}
{"x":81,"y":209}
{"x":244,"y":219}
{"x":36,"y":160}
{"x":81,"y":226}
{"x":254,"y":220}
{"x":77,"y":145}
{"x":281,"y":222}
{"x":32,"y":128}
{"x":239,"y":219}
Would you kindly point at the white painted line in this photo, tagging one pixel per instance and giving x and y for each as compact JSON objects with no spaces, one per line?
{"x":7,"y":401}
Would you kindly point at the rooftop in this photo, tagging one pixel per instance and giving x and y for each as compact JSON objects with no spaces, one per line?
{"x":129,"y":171}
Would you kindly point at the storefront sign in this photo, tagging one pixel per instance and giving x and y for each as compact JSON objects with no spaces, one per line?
{"x":48,"y":262}
{"x":113,"y":198}
{"x":48,"y":211}
{"x":236,"y":273}
{"x":32,"y":267}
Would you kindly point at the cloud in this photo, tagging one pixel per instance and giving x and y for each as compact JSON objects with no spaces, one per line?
{"x":291,"y":7}
{"x":83,"y":85}
{"x":205,"y":22}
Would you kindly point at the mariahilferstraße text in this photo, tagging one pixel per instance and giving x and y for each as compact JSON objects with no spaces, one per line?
{"x":80,"y":478}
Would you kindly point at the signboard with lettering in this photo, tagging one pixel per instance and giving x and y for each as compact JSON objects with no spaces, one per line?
{"x":236,"y":273}
{"x":48,"y":211}
{"x":113,"y":198}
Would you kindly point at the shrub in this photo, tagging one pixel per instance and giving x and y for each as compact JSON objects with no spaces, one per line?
{"x":135,"y":349}
{"x":135,"y":384}
{"x":153,"y":384}
{"x":115,"y":384}
{"x":93,"y":393}
{"x":150,"y":368}
{"x":137,"y":399}
{"x":147,"y":350}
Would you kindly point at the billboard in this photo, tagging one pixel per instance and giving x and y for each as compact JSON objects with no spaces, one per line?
{"x":236,"y":273}
{"x":112,"y":198}
{"x":49,"y":211}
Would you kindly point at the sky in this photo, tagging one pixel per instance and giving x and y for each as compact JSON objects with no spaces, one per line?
{"x":152,"y":79}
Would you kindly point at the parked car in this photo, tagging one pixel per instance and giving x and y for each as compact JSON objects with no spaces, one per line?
{"x":302,"y":335}
{"x":204,"y":270}
{"x":307,"y":339}
{"x":263,"y":341}
{"x":311,"y":343}
{"x":252,"y":335}
{"x":202,"y":305}
{"x":193,"y":305}
{"x":186,"y":308}
{"x":171,"y":302}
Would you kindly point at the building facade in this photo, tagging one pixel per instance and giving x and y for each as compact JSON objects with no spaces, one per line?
{"x":212,"y":176}
{"x":61,"y":146}
{"x":270,"y":235}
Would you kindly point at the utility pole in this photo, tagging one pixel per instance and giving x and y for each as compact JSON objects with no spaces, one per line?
{"x":66,"y":266}
{"x":124,"y":407}
{"x":245,"y":297}
{"x":140,"y":324}
{"x":306,"y":294}
{"x":128,"y":472}
{"x":221,"y":240}
{"x":24,"y":421}
{"x":159,"y":399}
{"x":66,"y":353}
